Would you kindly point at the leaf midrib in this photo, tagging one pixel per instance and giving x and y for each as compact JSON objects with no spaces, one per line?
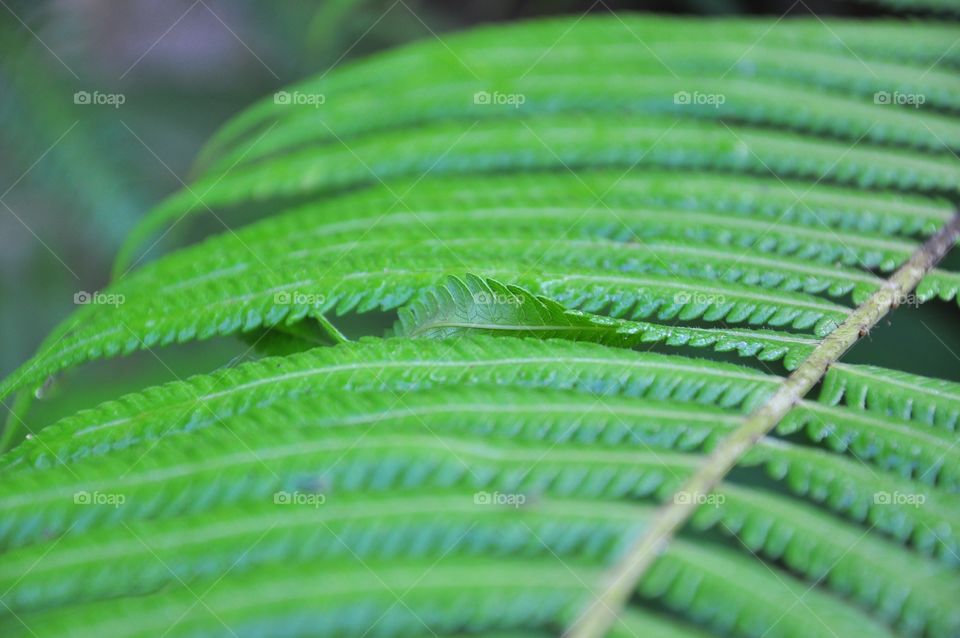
{"x":465,"y":446}
{"x":250,"y":522}
{"x":440,"y":363}
{"x":355,"y":247}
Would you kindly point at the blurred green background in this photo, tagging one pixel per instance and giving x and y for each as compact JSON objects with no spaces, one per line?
{"x":74,"y":178}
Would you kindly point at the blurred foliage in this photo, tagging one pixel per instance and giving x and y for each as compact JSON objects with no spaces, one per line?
{"x":74,"y":178}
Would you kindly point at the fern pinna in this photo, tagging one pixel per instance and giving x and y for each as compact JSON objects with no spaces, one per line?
{"x":570,"y":218}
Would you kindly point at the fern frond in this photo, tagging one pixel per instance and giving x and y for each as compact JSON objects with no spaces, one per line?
{"x":601,"y":218}
{"x":696,"y":580}
{"x":267,"y":298}
{"x":551,"y":90}
{"x":561,"y":415}
{"x":633,"y":622}
{"x":288,"y":601}
{"x":596,"y":619}
{"x":280,"y":256}
{"x":906,"y":396}
{"x":551,"y":143}
{"x":901,"y":587}
{"x":173,"y":481}
{"x":374,"y":443}
{"x":940,"y":284}
{"x":640,"y":234}
{"x":494,"y":596}
{"x":397,"y":365}
{"x":145,"y":557}
{"x":794,"y":202}
{"x":122,"y":560}
{"x":815,"y":61}
{"x":886,"y":501}
{"x":927,"y":455}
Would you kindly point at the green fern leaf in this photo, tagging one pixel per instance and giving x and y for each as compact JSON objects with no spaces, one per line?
{"x":927,"y":455}
{"x":429,"y":446}
{"x":399,"y":365}
{"x":923,"y":400}
{"x":487,"y":306}
{"x":551,"y":142}
{"x":547,"y":441}
{"x":818,"y":59}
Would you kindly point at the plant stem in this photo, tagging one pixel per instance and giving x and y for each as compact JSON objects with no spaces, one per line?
{"x":621,"y":580}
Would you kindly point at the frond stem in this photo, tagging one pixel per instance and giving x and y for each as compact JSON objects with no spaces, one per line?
{"x":621,"y":580}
